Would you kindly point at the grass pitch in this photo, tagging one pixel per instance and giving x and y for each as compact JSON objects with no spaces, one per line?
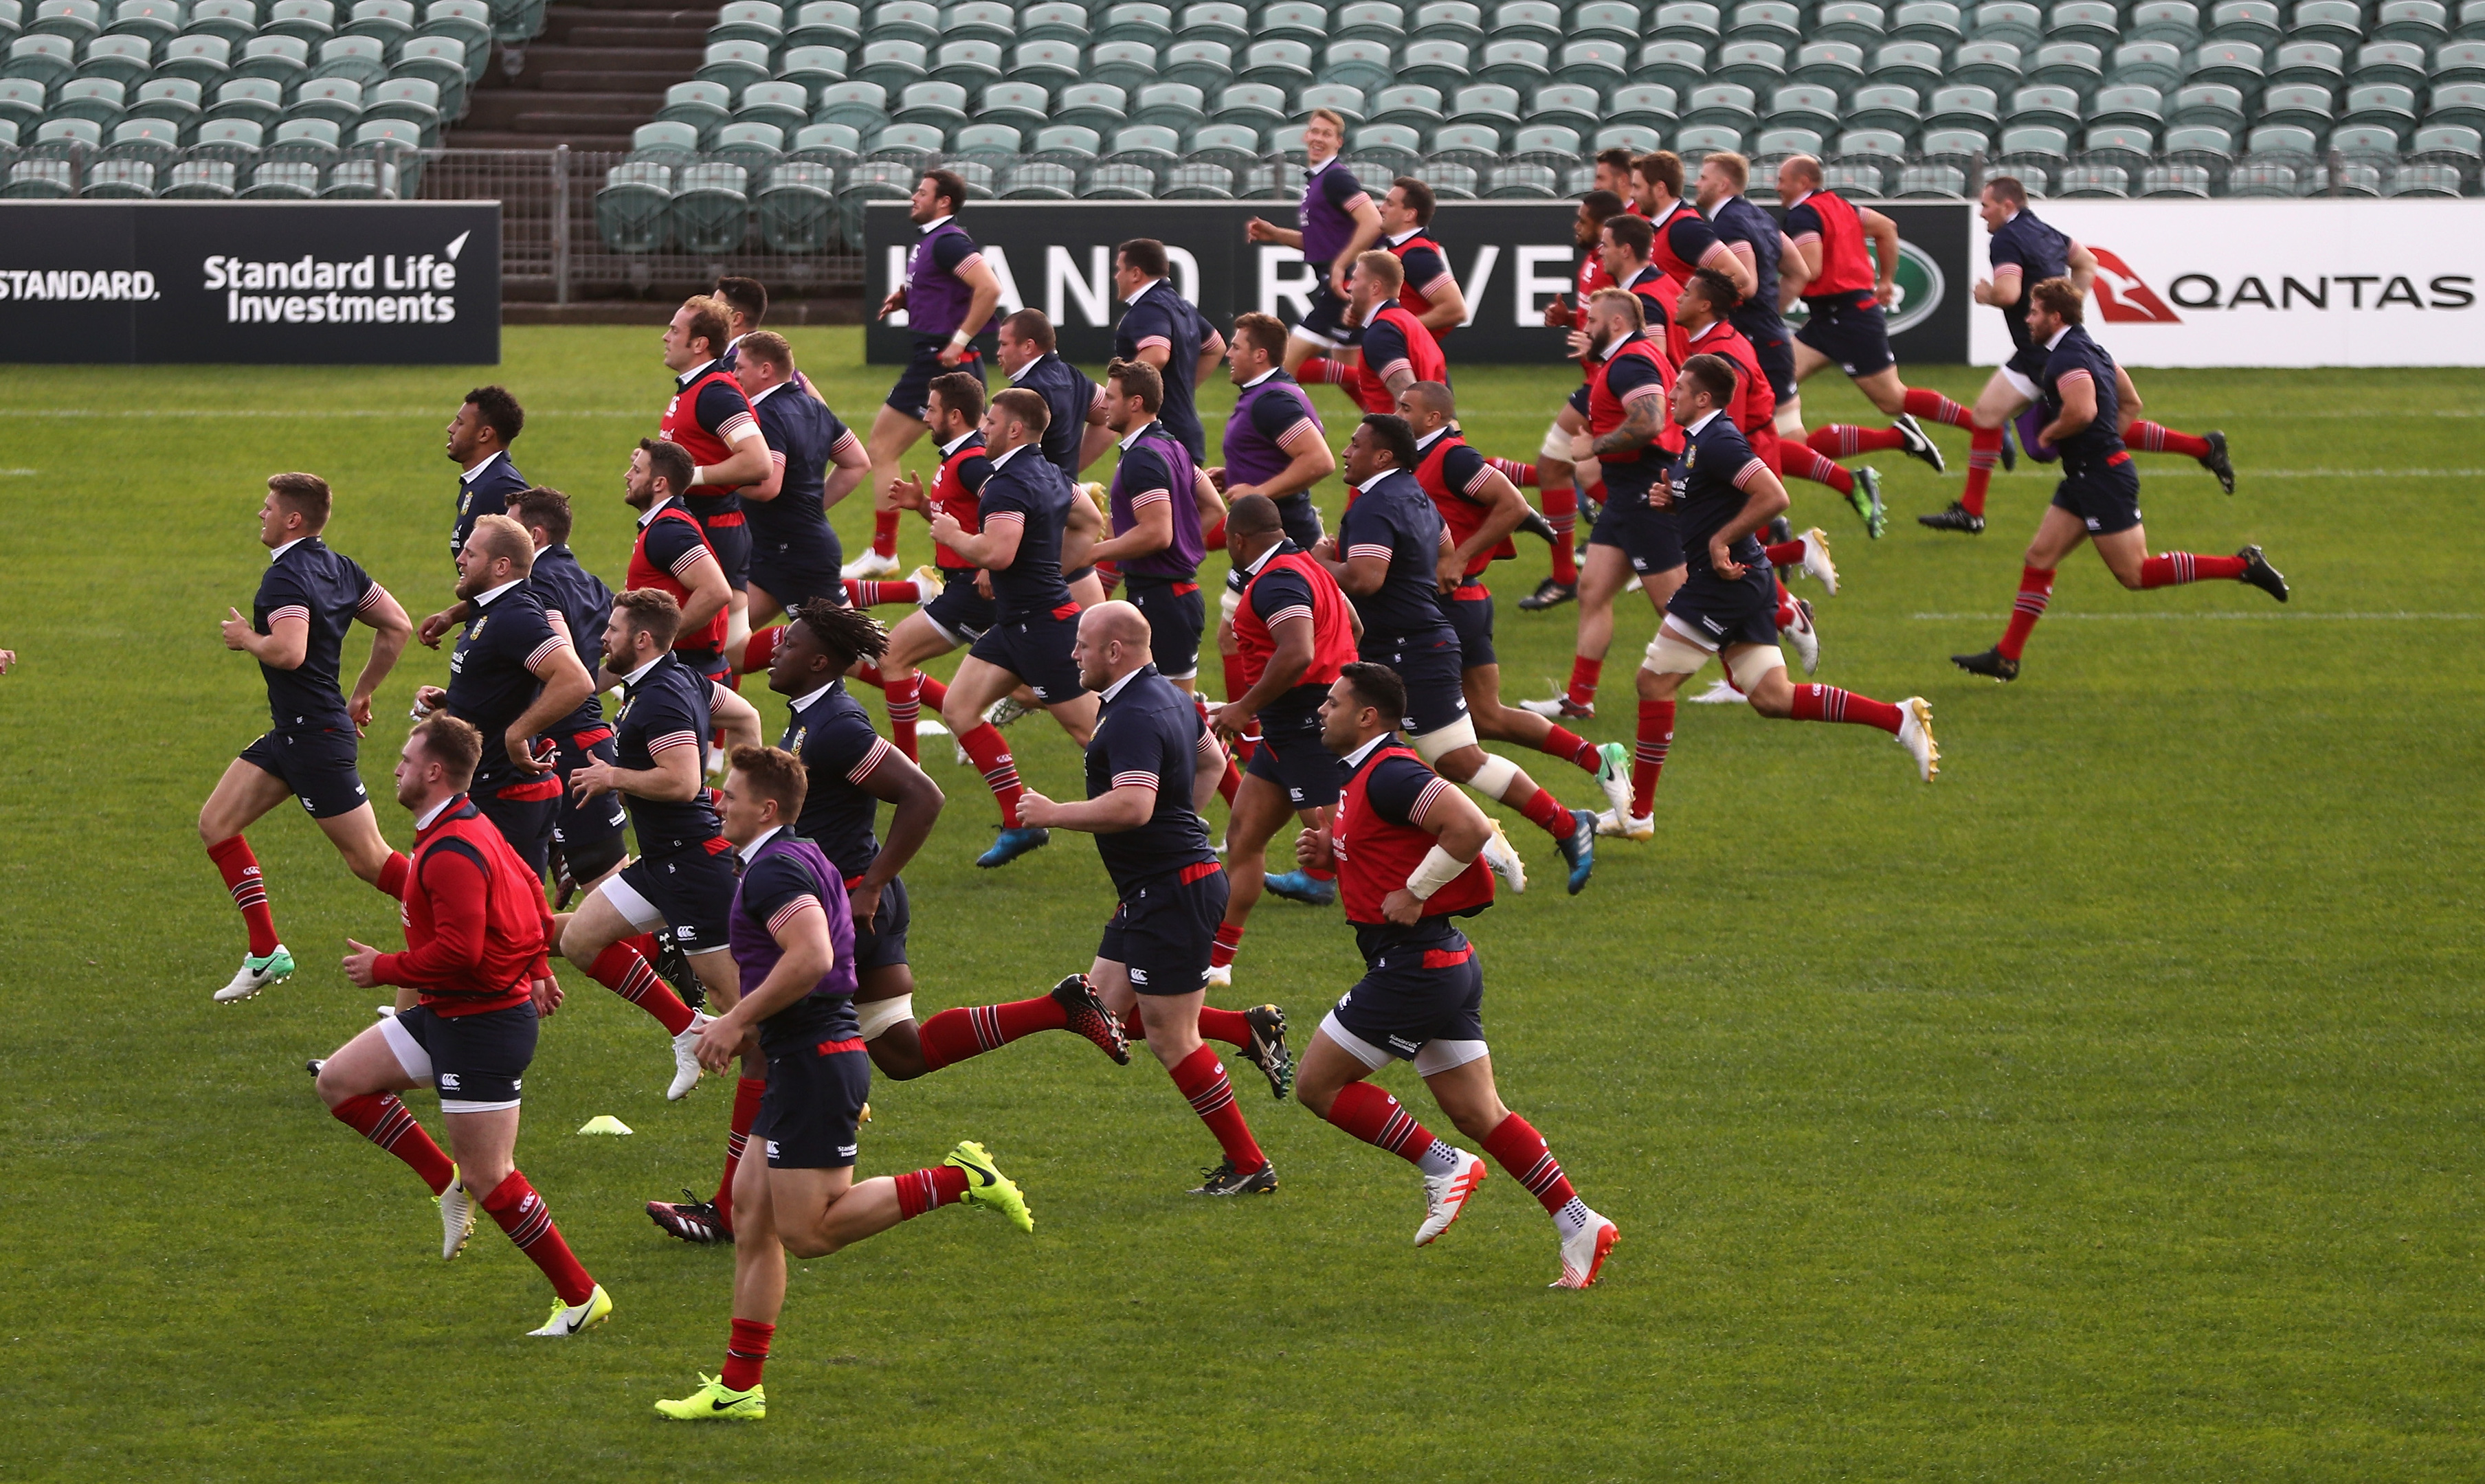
{"x":2105,"y":1110}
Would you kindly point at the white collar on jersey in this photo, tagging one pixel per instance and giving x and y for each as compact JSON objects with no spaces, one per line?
{"x":477,"y":473}
{"x":1115,"y":688}
{"x":957,"y":442}
{"x":1800,"y":200}
{"x":771,"y":392}
{"x":278,"y":554}
{"x":1412,"y":232}
{"x":1022,"y":372}
{"x":1701,"y":334}
{"x":1429,"y":439}
{"x":1142,"y":291}
{"x":655,"y":508}
{"x":934,"y":224}
{"x":1323,"y":164}
{"x":490,"y":596}
{"x":641,"y":673}
{"x":805,"y":701}
{"x":684,"y":380}
{"x":1134,"y":433}
{"x":765,"y":835}
{"x":423,"y":821}
{"x":1263,"y":376}
{"x":1253,"y":570}
{"x":999,"y":459}
{"x":1356,"y":758}
{"x":1697,"y":423}
{"x":2058,"y":337}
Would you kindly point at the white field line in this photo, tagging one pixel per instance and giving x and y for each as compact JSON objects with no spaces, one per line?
{"x":305,"y":414}
{"x":2206,"y":618}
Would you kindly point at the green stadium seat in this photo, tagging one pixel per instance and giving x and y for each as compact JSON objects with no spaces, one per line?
{"x":2035,"y":142}
{"x":1614,"y":20}
{"x":156,"y":140}
{"x":862,"y":106}
{"x":870,"y":181}
{"x":1680,"y":65}
{"x":2309,"y":62}
{"x":337,"y":99}
{"x":2176,"y":180}
{"x":1178,"y":106}
{"x":798,"y":207}
{"x":1804,"y":106}
{"x":1384,"y":151}
{"x":1526,"y":20}
{"x":174,"y":99}
{"x":2128,"y":104}
{"x":2175,"y":22}
{"x":2459,"y":62}
{"x":1039,"y":180}
{"x":1915,"y":64}
{"x":1292,"y":20}
{"x":2425,"y":22}
{"x":941,"y":105}
{"x":1282,"y":64}
{"x":2046,"y":103}
{"x":2118,"y":144}
{"x":1148,"y":25}
{"x":2250,"y":22}
{"x":2265,"y":177}
{"x":1414,"y":105}
{"x":1885,"y":147}
{"x":1963,"y":106}
{"x":2390,"y":61}
{"x":1118,"y":180}
{"x":1102,"y":106}
{"x":1858,"y":178}
{"x":200,"y":180}
{"x":1765,"y":20}
{"x":101,"y":100}
{"x":2094,"y":178}
{"x":2218,"y":103}
{"x":1516,"y":63}
{"x":202,"y":59}
{"x":255,"y":98}
{"x":1052,"y":65}
{"x":634,"y":210}
{"x":2201,"y":142}
{"x":389,"y":22}
{"x":1551,"y":143}
{"x":2354,"y":138}
{"x":284,"y":60}
{"x":1486,"y":104}
{"x":1776,"y":143}
{"x":2069,"y":64}
{"x":2010,"y":22}
{"x":1449,"y":20}
{"x":2292,"y":139}
{"x":788,"y":105}
{"x":1942,"y":182}
{"x":153,"y":21}
{"x":1022,"y":106}
{"x":1522,"y":180}
{"x":2424,"y":179}
{"x":415,"y":100}
{"x":1227,"y":24}
{"x":894,"y":64}
{"x":904,"y":20}
{"x":1152,"y":144}
{"x":1337,"y":97}
{"x":362,"y":179}
{"x":2457,"y":141}
{"x":1198,"y":180}
{"x":1695,"y":19}
{"x":1206,"y":65}
{"x":48,"y":59}
{"x":1570,"y":107}
{"x":1235,"y":144}
{"x":1475,"y":143}
{"x":973,"y":64}
{"x":666,"y":142}
{"x":77,"y":20}
{"x":2155,"y":65}
{"x":1955,"y":143}
{"x":913,"y":143}
{"x":441,"y":59}
{"x":358,"y":59}
{"x":986,"y":142}
{"x":237,"y":140}
{"x":467,"y":22}
{"x":2340,"y":22}
{"x":1993,"y":65}
{"x":836,"y":145}
{"x":1637,"y":138}
{"x":1756,"y":65}
{"x":284,"y":181}
{"x":2236,"y":64}
{"x":1885,"y":106}
{"x":1934,"y":22}
{"x":2296,"y":103}
{"x":1598,"y":62}
{"x":1361,"y":63}
{"x":1646,"y":105}
{"x":311,"y":21}
{"x":41,"y":179}
{"x":1450,"y":180}
{"x":307,"y":139}
{"x":712,"y":207}
{"x":1708,"y":138}
{"x":834,"y":23}
{"x":1439,"y":64}
{"x":233,"y":21}
{"x":1724,"y":105}
{"x":2085,"y":21}
{"x":1369,"y":20}
{"x":980,"y":20}
{"x":813,"y":67}
{"x":704,"y":106}
{"x":1850,"y":20}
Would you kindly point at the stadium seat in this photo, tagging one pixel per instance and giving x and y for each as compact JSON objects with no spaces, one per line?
{"x":100,"y":100}
{"x":1597,"y":61}
{"x":233,"y":140}
{"x":2390,"y":61}
{"x":1837,"y":64}
{"x":2200,"y":141}
{"x":2094,"y":179}
{"x":2289,"y":140}
{"x":440,"y":60}
{"x":2253,"y":22}
{"x":1522,"y":180}
{"x":41,"y":179}
{"x":1885,"y":147}
{"x":2175,"y":22}
{"x":904,"y":20}
{"x":1756,"y":65}
{"x":1776,"y":143}
{"x":1337,"y":97}
{"x":1955,"y":144}
{"x":124,"y":58}
{"x":798,"y":207}
{"x":200,"y":180}
{"x":1148,"y":25}
{"x":1685,"y":17}
{"x":941,"y":104}
{"x":893,"y":65}
{"x":77,"y":20}
{"x":2450,"y":141}
{"x":2127,"y":106}
{"x":1360,"y":64}
{"x":1255,"y":104}
{"x":1022,"y":106}
{"x":834,"y":145}
{"x":389,"y":22}
{"x":1282,"y":64}
{"x":414,"y":99}
{"x":1764,"y":20}
{"x":1649,"y":105}
{"x":1151,"y":145}
{"x":1855,"y":180}
{"x":1039,"y":180}
{"x":2054,"y":107}
{"x":1803,"y":105}
{"x":2121,"y":145}
{"x":231,"y":21}
{"x":1708,"y":138}
{"x":1380,"y":151}
{"x":1178,"y":106}
{"x":1231,"y":144}
{"x":284,"y":60}
{"x":2296,"y":103}
{"x":1553,"y":145}
{"x":704,"y":106}
{"x":466,"y":22}
{"x":2183,"y":180}
{"x":1469,"y":143}
{"x":256,"y":98}
{"x":2263,"y":177}
{"x":2459,"y":103}
{"x":1449,"y":20}
{"x":337,"y":100}
{"x":2155,"y":65}
{"x":2341,"y":22}
{"x":2309,"y":62}
{"x":1637,"y":138}
{"x":1226,"y":24}
{"x":1198,"y":180}
{"x":1206,"y":65}
{"x":311,"y":21}
{"x":2085,"y":21}
{"x":2218,"y":103}
{"x":362,"y":179}
{"x":870,"y":181}
{"x":833,"y":23}
{"x":1938,"y":181}
{"x":1884,"y":106}
{"x":988,"y":142}
{"x":156,"y":140}
{"x":1524,"y":64}
{"x":633,"y":211}
{"x":48,"y":59}
{"x":306,"y":139}
{"x":2036,"y":142}
{"x":1526,"y":20}
{"x":1993,"y":65}
{"x":1488,"y":103}
{"x":174,"y":98}
{"x":1096,"y":106}
{"x":388,"y":135}
{"x":788,"y":105}
{"x":667,"y":143}
{"x":1369,"y":20}
{"x":2236,"y":64}
{"x":1437,"y":65}
{"x":1963,"y":107}
{"x":981,"y":20}
{"x":1905,"y":63}
{"x":973,"y":64}
{"x":860,"y":106}
{"x":1574,"y":107}
{"x":912,"y":144}
{"x":283,"y":180}
{"x":712,"y":207}
{"x":2069,"y":64}
{"x":2011,"y":23}
{"x":2355,"y":139}
{"x":2424,"y":179}
{"x":1450,"y":180}
{"x":202,"y":59}
{"x":1726,"y":105}
{"x":1072,"y":143}
{"x":1934,"y":22}
{"x":2423,"y":21}
{"x":1680,"y":65}
{"x":1118,"y":180}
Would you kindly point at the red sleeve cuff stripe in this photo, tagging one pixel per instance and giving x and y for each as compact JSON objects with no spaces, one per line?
{"x":1806,"y":239}
{"x":1643,"y":392}
{"x":880,"y":748}
{"x":1146,"y":497}
{"x":971,"y":260}
{"x":1743,"y":475}
{"x":846,"y":442}
{"x":793,"y":909}
{"x":1156,"y":342}
{"x":672,"y":739}
{"x":1004,"y":518}
{"x":776,"y":456}
{"x":1135,"y":779}
{"x":1402,"y":364}
{"x":1356,"y":203}
{"x":1425,"y":800}
{"x":372,"y":596}
{"x":687,"y":563}
{"x":546,"y":650}
{"x":1717,"y":250}
{"x":2071,"y":378}
{"x":739,"y":426}
{"x":1302,"y":435}
{"x":1301,"y":610}
{"x":1372,"y":549}
{"x":298,"y":610}
{"x":1475,"y":486}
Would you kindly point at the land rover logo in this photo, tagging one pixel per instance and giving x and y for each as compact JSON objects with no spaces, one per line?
{"x":1920,"y":288}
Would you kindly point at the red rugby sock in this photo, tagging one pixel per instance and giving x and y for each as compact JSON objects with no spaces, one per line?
{"x":1785,"y":554}
{"x":1828,"y":703}
{"x":1584,"y":672}
{"x":239,"y":868}
{"x":1571,"y":748}
{"x":2173,"y":569}
{"x":1647,"y":759}
{"x":1562,"y":512}
{"x":884,"y":533}
{"x":1370,"y":1114}
{"x":1983,"y":456}
{"x":867,"y":595}
{"x":2157,"y":438}
{"x":1226,"y":1025}
{"x":758,"y":650}
{"x":1549,"y":814}
{"x":1229,"y":942}
{"x":971,"y":1029}
{"x":2036,"y":590}
{"x":1798,"y":461}
{"x":1517,"y":1147}
{"x":1924,"y":402}
{"x":1518,"y":474}
{"x":745,"y":1354}
{"x":384,"y":1121}
{"x":904,"y":696}
{"x":627,"y":973}
{"x":1845,"y":441}
{"x":992,"y":758}
{"x":524,"y":1216}
{"x":928,"y":1190}
{"x":1201,"y":1078}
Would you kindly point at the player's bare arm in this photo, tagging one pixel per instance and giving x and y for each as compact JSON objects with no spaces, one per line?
{"x":1126,"y":807}
{"x":1312,"y":461}
{"x":1765,"y":499}
{"x":1150,"y":530}
{"x":1212,"y":353}
{"x":992,"y":548}
{"x":280,"y":648}
{"x":674,"y":780}
{"x":770,"y":485}
{"x":1261,"y":230}
{"x":1207,"y":771}
{"x":2079,"y":409}
{"x":1079,"y":534}
{"x":566,"y":687}
{"x":1361,"y":575}
{"x":1445,"y":306}
{"x":849,"y":465}
{"x":1734,"y":266}
{"x":390,"y":631}
{"x":1367,"y":231}
{"x":1794,"y":270}
{"x":985,"y":295}
{"x":737,"y":719}
{"x":1884,"y":234}
{"x":895,"y":779}
{"x":709,"y":591}
{"x":748,"y":464}
{"x":1641,"y":424}
{"x":2082,"y":264}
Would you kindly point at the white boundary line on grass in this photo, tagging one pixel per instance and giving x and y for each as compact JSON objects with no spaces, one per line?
{"x":306,"y":414}
{"x":2251,"y":618}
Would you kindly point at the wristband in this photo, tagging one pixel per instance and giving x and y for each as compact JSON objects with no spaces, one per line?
{"x":960,"y":338}
{"x":695,"y":473}
{"x":1437,"y":869}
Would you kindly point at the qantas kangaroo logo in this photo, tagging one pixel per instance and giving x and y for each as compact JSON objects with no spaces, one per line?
{"x":2125,"y":297}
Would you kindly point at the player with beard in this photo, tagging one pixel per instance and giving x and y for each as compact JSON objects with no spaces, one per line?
{"x":814,"y":461}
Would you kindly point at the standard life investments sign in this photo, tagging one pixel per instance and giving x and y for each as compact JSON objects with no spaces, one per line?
{"x":283,"y":282}
{"x":1510,"y":259}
